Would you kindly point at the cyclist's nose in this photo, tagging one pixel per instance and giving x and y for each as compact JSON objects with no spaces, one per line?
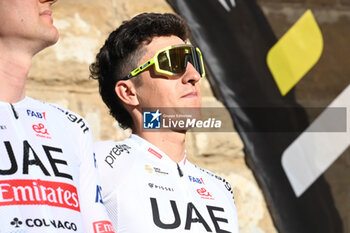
{"x":191,"y":75}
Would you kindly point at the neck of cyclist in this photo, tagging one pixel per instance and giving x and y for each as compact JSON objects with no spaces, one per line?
{"x":14,"y":68}
{"x":171,"y":143}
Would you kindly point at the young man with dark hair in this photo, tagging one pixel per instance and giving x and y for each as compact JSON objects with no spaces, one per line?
{"x":48,"y":179}
{"x":147,"y":183}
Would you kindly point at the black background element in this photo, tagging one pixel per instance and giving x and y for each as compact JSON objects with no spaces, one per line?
{"x":234,"y":45}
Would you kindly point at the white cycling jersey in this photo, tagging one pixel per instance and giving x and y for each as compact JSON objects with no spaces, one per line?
{"x":145,"y":191}
{"x":48,"y":178}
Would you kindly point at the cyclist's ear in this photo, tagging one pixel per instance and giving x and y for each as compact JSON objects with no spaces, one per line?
{"x":125,"y":90}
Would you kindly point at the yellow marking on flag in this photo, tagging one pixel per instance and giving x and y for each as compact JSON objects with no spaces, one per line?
{"x":295,"y":53}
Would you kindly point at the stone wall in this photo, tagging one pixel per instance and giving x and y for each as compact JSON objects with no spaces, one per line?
{"x":60,"y":74}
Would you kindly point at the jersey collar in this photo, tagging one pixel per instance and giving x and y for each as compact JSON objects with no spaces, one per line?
{"x":20,"y":103}
{"x":154,"y":151}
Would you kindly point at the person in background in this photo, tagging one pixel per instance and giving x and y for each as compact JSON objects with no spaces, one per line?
{"x":147,"y":182}
{"x":48,"y":178}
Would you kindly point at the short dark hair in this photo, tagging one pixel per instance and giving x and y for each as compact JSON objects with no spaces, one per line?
{"x":122,"y":51}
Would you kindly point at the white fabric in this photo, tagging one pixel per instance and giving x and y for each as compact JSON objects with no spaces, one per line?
{"x":48,"y":178}
{"x":145,"y":191}
{"x":316,"y":149}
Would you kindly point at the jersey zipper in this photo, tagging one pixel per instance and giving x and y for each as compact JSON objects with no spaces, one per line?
{"x":181,"y":174}
{"x":14,"y":111}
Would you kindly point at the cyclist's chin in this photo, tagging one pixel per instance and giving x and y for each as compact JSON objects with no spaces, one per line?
{"x":194,"y":102}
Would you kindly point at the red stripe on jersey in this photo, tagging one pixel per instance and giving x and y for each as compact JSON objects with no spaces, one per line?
{"x":159,"y":156}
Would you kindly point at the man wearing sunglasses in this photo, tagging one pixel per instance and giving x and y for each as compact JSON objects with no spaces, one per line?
{"x":148,"y":184}
{"x":48,"y":178}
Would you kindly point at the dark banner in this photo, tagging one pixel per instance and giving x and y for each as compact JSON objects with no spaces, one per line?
{"x":235,"y":37}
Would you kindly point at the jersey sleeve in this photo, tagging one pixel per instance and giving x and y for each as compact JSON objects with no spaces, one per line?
{"x":227,"y":189}
{"x":107,"y":167}
{"x":228,"y":200}
{"x":92,"y":207}
{"x":114,"y":165}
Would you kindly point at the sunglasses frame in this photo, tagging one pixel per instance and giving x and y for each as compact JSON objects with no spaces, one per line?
{"x":154,"y":61}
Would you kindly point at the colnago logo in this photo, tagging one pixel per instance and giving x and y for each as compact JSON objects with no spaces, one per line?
{"x":16,"y":222}
{"x":38,"y":192}
{"x":52,"y":223}
{"x":42,"y":222}
{"x":103,"y":227}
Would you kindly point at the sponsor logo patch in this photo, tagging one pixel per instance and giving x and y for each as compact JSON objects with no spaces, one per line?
{"x":16,"y":222}
{"x":116,"y":151}
{"x":39,"y":115}
{"x":99,"y":198}
{"x":204,"y":194}
{"x":74,"y":119}
{"x":152,"y":151}
{"x":38,"y":192}
{"x":160,"y":187}
{"x":41,"y":131}
{"x":155,"y":170}
{"x":42,"y":222}
{"x":226,"y":183}
{"x":196,"y":180}
{"x":103,"y":227}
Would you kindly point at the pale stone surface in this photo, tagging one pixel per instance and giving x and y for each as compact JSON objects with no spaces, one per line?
{"x":251,"y":208}
{"x":60,"y":74}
